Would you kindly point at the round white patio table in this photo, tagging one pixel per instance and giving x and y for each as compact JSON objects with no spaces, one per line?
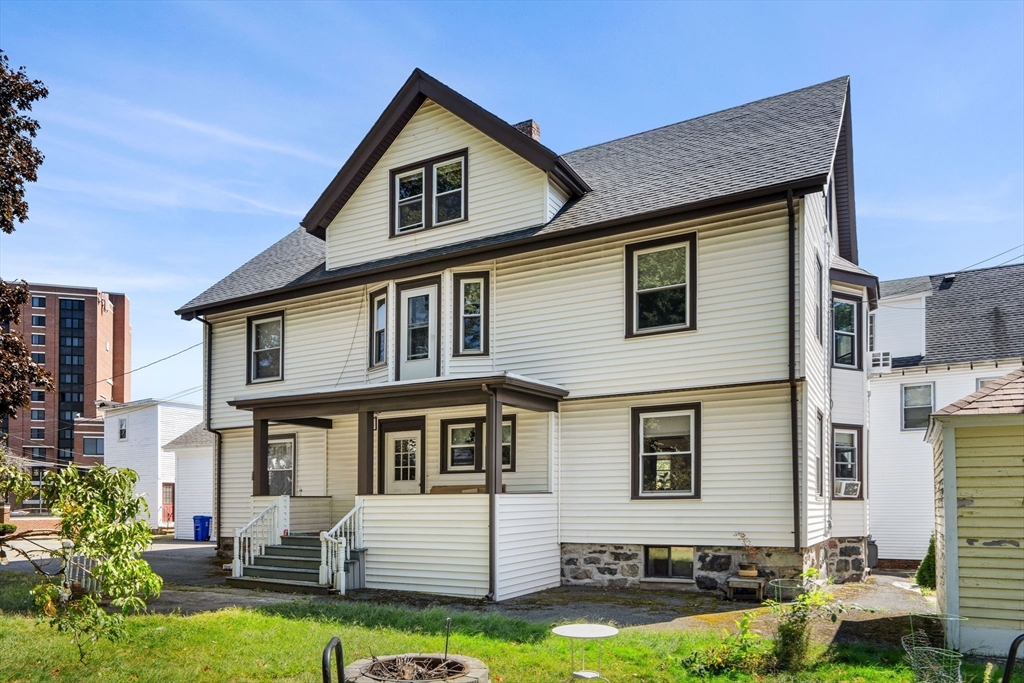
{"x":583,"y":633}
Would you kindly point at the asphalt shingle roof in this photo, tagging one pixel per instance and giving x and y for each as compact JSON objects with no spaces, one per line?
{"x":1005,"y":396}
{"x":763,"y":144}
{"x":977,"y":316}
{"x":196,"y":437}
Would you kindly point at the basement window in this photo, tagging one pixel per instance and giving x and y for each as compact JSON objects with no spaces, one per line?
{"x":668,"y":562}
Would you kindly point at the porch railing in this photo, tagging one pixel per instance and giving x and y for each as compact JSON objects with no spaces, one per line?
{"x":252,"y":539}
{"x":336,"y":547}
{"x":78,"y":569}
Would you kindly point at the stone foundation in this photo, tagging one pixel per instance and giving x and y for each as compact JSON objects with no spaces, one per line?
{"x":226,"y":548}
{"x":595,"y":564}
{"x":609,"y":565}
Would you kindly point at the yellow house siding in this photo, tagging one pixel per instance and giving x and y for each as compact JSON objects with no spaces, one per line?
{"x":990,"y":522}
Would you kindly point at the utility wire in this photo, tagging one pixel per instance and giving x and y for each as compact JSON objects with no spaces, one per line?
{"x":994,"y":257}
{"x":147,"y":365}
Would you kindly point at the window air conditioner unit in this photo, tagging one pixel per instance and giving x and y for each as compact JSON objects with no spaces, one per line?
{"x":847,"y":488}
{"x":881,"y":362}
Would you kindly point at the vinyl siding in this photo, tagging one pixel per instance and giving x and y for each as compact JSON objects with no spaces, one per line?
{"x":556,"y":198}
{"x":505,"y":192}
{"x":139,"y":452}
{"x":435,"y":544}
{"x":900,"y":325}
{"x":193,"y":489}
{"x":560,"y":313}
{"x":529,"y":558}
{"x":814,"y":350}
{"x":743,"y":431}
{"x":902,"y":462}
{"x":990,"y":523}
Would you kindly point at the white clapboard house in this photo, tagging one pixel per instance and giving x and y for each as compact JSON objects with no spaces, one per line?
{"x":481,"y":368}
{"x":134,"y":435}
{"x":934,"y":340}
{"x":193,"y":479}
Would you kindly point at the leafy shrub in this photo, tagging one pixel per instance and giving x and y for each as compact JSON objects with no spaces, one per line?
{"x":7,"y":529}
{"x":743,"y":651}
{"x":792,"y":634}
{"x":926,"y":570}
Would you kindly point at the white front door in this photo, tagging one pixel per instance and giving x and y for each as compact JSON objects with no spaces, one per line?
{"x":402,"y":462}
{"x":417,"y":338}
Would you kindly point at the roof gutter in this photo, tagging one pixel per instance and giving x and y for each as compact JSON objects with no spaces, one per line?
{"x":794,"y":444}
{"x":710,"y":207}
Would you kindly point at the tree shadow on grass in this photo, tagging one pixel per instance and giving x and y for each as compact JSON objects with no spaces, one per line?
{"x":430,"y":621}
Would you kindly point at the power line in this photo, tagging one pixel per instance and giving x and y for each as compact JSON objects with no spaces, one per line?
{"x":994,"y":257}
{"x":1008,"y":261}
{"x":147,"y":365}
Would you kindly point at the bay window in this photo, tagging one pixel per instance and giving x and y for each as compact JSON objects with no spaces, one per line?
{"x":845,"y":332}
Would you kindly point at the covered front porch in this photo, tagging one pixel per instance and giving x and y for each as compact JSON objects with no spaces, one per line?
{"x":452,"y":483}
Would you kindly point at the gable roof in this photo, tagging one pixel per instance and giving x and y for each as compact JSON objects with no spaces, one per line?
{"x":419,"y":87}
{"x":197,"y":437}
{"x":752,"y":153}
{"x":1005,"y":396}
{"x":979,"y":315}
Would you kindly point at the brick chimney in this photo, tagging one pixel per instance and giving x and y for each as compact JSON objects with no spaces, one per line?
{"x":529,"y":128}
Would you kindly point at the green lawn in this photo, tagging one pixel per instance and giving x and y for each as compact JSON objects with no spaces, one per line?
{"x":284,"y":642}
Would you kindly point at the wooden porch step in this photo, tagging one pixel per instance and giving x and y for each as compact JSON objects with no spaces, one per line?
{"x":283,"y":573}
{"x":293,"y":561}
{"x":278,"y":585}
{"x":305,"y":551}
{"x":303,"y":540}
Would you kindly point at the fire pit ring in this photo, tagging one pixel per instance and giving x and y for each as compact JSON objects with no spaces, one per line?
{"x":473,"y":670}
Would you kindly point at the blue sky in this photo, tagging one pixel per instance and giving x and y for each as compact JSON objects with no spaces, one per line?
{"x":183,"y":138}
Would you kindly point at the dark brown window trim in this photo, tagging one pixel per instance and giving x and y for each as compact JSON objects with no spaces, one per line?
{"x":861,"y":455}
{"x":248,"y":346}
{"x":263,"y":464}
{"x":374,"y":295}
{"x":858,"y":341}
{"x":427,"y":166}
{"x":819,"y":319}
{"x":636,"y":435}
{"x":401,"y":424}
{"x":485,"y":313}
{"x":690,"y":239}
{"x":479,"y":465}
{"x":821,"y":454}
{"x":400,"y":324}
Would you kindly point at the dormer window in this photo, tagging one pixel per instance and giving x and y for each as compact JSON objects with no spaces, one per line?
{"x":429,"y":194}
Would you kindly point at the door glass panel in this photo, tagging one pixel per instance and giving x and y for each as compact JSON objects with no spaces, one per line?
{"x":405,"y":459}
{"x":418,"y":327}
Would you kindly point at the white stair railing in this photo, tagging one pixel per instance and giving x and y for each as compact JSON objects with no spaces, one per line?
{"x":336,"y":547}
{"x":252,"y":539}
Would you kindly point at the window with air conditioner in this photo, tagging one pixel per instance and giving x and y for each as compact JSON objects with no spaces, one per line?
{"x":847,"y":461}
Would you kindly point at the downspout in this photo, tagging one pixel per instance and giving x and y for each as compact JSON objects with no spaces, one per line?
{"x":492,"y":527}
{"x":794,"y":444}
{"x":208,"y":334}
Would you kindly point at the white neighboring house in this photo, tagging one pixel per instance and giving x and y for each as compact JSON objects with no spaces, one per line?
{"x":488,"y":369}
{"x":193,"y":479}
{"x":134,"y":435}
{"x":933,"y":340}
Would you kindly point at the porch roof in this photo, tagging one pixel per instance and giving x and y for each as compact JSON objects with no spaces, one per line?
{"x":436,"y":392}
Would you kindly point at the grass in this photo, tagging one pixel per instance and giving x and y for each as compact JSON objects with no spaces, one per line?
{"x":283,"y":643}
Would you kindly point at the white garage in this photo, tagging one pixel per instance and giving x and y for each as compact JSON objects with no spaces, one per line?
{"x":193,"y":490}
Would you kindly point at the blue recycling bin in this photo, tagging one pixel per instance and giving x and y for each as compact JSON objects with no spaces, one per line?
{"x":201,"y":527}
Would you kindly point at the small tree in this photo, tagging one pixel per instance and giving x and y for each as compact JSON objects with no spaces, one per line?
{"x":104,"y":531}
{"x":926,"y":570}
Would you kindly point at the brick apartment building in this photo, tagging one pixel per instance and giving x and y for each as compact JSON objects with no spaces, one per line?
{"x":83,"y":337}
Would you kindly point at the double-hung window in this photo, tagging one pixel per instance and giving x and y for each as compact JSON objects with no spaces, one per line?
{"x":429,"y":194}
{"x":661,"y":284}
{"x":37,"y":433}
{"x":122,"y":429}
{"x":280,"y":466}
{"x":845,"y":333}
{"x":266,"y":347}
{"x":666,"y":451}
{"x":463,"y":445}
{"x":472,"y":291}
{"x":379,"y":331}
{"x":847,"y":461}
{"x":917,"y":405}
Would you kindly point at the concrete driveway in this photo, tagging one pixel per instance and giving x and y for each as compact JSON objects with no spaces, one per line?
{"x":177,"y":562}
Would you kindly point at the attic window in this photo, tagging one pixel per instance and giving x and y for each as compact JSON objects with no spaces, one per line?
{"x":429,"y":194}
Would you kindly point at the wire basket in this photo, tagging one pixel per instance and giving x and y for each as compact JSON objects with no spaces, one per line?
{"x":787,"y":590}
{"x":929,"y":663}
